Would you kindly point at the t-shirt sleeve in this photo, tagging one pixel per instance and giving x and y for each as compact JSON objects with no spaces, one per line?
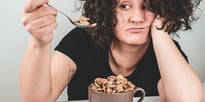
{"x":73,"y":44}
{"x":180,"y":49}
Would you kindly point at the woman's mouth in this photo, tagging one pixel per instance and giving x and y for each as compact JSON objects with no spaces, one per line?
{"x":136,"y":29}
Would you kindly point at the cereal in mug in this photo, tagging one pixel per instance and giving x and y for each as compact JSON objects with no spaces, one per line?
{"x":113,"y":84}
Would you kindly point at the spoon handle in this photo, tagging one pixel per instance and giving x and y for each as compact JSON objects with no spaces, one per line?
{"x":62,"y":14}
{"x":74,"y":23}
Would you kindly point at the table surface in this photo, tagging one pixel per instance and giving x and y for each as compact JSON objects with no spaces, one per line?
{"x":204,"y":90}
{"x":146,"y":99}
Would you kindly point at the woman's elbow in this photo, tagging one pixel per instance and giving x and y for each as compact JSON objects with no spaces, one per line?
{"x":37,"y":99}
{"x":183,"y":98}
{"x":191,"y":93}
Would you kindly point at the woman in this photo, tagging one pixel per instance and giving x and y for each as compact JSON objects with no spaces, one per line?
{"x":132,"y":38}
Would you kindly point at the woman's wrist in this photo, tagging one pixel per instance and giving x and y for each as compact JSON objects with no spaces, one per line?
{"x":38,"y":44}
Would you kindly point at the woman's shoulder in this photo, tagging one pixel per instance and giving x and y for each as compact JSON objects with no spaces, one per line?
{"x":76,"y":32}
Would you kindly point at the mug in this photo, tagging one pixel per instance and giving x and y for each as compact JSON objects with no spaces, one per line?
{"x":95,"y":96}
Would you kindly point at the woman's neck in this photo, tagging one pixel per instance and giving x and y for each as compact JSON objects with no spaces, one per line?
{"x":123,"y":59}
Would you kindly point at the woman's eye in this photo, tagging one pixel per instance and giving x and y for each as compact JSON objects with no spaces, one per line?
{"x":145,"y":7}
{"x":125,"y":6}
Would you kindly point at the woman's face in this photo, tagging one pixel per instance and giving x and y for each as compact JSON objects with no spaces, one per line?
{"x":133,"y":22}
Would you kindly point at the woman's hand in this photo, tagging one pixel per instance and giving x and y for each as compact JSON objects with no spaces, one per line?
{"x":157,"y":24}
{"x":39,"y":20}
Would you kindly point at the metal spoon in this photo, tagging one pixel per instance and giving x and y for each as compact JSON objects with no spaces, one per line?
{"x":74,"y":23}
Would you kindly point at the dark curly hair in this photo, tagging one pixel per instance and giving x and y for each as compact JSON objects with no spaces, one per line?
{"x":178,"y":15}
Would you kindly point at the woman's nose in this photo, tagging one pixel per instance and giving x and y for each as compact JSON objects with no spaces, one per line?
{"x":137,"y":16}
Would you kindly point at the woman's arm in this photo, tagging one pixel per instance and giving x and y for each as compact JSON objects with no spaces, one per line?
{"x":42,"y":76}
{"x":179,"y":83}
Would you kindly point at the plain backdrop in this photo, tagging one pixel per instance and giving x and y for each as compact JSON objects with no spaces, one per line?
{"x":14,"y":38}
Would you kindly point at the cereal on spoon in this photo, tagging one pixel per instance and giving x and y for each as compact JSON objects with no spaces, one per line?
{"x":84,"y":21}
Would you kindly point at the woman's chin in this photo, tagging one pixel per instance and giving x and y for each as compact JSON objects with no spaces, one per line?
{"x":137,"y":42}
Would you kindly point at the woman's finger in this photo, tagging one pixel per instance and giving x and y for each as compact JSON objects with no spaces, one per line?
{"x":38,"y":14}
{"x":32,"y":5}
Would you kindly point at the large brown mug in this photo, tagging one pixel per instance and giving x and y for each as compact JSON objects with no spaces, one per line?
{"x":95,"y":96}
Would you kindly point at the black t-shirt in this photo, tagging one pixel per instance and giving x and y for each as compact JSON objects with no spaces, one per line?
{"x":92,"y":62}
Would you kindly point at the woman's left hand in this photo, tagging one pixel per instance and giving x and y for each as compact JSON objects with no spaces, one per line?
{"x":157,"y":24}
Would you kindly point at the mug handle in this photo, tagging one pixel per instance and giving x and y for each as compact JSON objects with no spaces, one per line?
{"x":142,"y":95}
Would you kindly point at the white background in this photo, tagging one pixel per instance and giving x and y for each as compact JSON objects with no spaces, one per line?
{"x":14,"y":38}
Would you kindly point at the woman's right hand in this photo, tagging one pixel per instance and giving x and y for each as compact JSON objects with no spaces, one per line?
{"x":39,"y":20}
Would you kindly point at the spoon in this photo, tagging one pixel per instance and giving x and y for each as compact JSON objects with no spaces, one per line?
{"x":80,"y":25}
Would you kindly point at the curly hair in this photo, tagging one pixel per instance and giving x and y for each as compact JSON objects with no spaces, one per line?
{"x":178,"y":15}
